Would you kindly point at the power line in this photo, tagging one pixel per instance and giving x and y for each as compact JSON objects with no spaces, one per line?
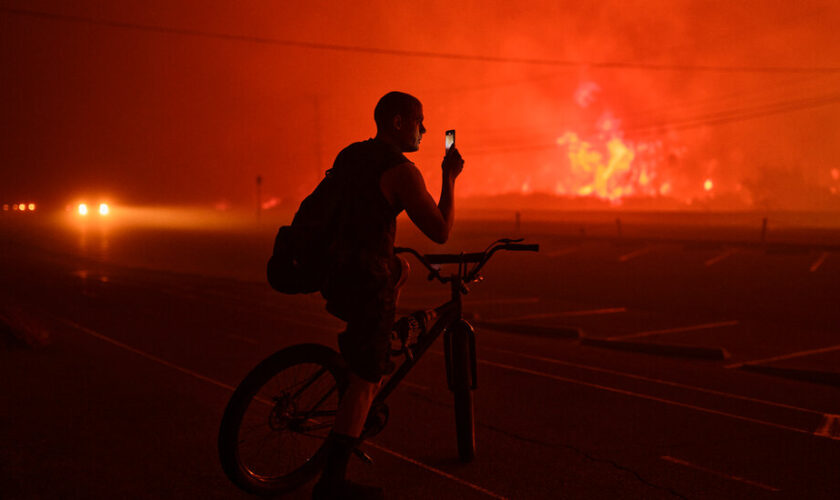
{"x":414,"y":53}
{"x":712,"y":119}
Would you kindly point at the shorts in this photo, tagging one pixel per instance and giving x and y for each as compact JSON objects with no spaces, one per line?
{"x":367,"y":302}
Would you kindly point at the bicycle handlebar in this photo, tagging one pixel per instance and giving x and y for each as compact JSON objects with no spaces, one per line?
{"x":523,"y":248}
{"x":477,"y":258}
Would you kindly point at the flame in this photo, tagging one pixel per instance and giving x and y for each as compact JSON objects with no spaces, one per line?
{"x":605,"y":165}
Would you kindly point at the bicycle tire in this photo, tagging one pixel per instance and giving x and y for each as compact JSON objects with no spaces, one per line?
{"x":299,"y":415}
{"x":462,"y":393}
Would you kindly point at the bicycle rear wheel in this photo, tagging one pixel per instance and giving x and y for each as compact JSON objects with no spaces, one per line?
{"x":275,"y":424}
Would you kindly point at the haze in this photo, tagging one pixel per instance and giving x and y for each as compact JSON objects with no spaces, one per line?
{"x":719,"y":104}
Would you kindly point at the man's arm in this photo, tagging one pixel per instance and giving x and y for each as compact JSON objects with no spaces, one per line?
{"x":406,"y":186}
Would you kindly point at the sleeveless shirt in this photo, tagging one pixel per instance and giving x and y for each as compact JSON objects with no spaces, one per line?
{"x":363,"y":248}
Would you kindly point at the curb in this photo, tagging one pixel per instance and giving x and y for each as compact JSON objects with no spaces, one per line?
{"x":813,"y":376}
{"x":565,"y":332}
{"x":684,"y":351}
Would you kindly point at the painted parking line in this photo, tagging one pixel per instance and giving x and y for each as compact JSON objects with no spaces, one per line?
{"x":785,"y":356}
{"x":637,"y":253}
{"x":565,"y":314}
{"x":436,"y":471}
{"x":726,"y":253}
{"x":647,"y":397}
{"x":658,"y":381}
{"x":230,"y":388}
{"x":819,"y":262}
{"x":705,"y":326}
{"x":719,"y":474}
{"x":148,"y":356}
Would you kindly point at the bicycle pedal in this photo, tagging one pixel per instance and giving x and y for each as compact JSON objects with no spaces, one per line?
{"x":364,"y":457}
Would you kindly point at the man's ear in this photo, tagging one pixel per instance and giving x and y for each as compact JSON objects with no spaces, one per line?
{"x":397,"y":122}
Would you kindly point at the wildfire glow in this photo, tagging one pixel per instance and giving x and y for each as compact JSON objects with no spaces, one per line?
{"x":83,"y":210}
{"x":610,"y":172}
{"x":606,"y":165}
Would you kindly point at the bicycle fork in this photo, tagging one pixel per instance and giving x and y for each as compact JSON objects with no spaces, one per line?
{"x":459,"y":354}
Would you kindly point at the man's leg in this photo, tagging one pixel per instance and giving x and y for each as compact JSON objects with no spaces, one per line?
{"x":349,"y":423}
{"x":354,"y":407}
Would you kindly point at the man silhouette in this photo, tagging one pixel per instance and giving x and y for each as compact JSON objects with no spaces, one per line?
{"x":363,"y":273}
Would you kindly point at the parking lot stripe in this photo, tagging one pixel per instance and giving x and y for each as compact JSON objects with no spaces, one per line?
{"x":148,"y":356}
{"x":705,"y":326}
{"x":633,"y":255}
{"x":230,"y":388}
{"x":785,"y":356}
{"x":819,"y":262}
{"x":716,"y":473}
{"x":648,"y":397}
{"x":726,"y":253}
{"x":563,"y":314}
{"x":436,"y":471}
{"x":657,"y":381}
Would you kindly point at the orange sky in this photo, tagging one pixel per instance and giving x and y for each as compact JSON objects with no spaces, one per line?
{"x":101,"y":101}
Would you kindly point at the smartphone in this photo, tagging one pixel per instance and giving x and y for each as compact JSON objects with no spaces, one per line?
{"x":450,"y":139}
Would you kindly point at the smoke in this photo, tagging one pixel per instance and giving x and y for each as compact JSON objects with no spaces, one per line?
{"x":161,"y":117}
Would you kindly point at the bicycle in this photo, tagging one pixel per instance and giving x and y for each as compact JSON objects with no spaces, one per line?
{"x":287,"y":402}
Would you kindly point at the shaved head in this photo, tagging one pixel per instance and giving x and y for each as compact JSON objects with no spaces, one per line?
{"x":391,"y":105}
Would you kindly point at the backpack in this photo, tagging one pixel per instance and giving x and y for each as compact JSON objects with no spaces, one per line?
{"x":301,"y":255}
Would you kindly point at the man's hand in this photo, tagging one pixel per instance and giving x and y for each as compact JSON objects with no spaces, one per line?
{"x":452,"y":164}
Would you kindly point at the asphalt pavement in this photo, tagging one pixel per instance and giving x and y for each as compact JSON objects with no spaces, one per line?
{"x":597,"y":377}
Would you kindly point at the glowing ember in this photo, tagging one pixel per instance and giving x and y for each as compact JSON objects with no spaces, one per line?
{"x":270,"y":203}
{"x":708,"y":185}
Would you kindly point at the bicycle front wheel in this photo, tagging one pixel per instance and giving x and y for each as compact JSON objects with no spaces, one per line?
{"x":274,"y":427}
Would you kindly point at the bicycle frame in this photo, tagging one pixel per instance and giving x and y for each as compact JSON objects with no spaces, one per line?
{"x":448,"y":314}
